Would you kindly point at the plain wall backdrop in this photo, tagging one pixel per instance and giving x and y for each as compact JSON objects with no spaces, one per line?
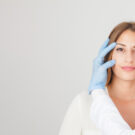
{"x":46,"y":53}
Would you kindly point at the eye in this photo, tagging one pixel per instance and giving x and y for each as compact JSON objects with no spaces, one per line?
{"x":119,"y":49}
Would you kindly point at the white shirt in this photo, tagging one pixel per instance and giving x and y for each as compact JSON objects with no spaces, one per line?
{"x":81,"y":119}
{"x":106,"y":116}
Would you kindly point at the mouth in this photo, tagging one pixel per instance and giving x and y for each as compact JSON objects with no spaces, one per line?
{"x":127,"y":68}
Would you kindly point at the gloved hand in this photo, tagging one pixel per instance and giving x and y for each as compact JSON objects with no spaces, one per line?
{"x":99,"y":71}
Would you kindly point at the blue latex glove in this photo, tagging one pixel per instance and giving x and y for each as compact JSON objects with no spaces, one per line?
{"x":99,"y":71}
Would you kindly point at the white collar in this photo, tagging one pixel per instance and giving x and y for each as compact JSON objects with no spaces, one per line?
{"x":106,"y":90}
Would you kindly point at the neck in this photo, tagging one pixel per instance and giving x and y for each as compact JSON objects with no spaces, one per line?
{"x":122,"y":89}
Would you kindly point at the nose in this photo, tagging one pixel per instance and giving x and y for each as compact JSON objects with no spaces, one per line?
{"x":130,"y":56}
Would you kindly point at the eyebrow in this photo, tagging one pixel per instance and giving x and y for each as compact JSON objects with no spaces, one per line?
{"x":123,"y":44}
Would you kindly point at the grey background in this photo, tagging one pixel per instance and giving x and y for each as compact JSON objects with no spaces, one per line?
{"x":46,"y":53}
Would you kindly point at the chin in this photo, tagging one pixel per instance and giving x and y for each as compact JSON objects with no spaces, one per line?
{"x":126,"y":76}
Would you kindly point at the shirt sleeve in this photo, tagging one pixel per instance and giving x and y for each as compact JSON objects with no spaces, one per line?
{"x":71,"y":124}
{"x":106,"y":116}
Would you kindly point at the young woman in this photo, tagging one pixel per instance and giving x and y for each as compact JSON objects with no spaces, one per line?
{"x":109,"y":107}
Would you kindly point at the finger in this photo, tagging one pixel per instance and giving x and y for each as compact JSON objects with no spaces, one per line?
{"x":108,"y":64}
{"x":100,"y":58}
{"x":104,"y":45}
{"x":107,"y":50}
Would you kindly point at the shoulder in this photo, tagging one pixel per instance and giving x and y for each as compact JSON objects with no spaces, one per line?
{"x":84,"y":104}
{"x":84,"y":96}
{"x":83,"y":100}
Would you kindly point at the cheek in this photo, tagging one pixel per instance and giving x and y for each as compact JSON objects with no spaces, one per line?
{"x":114,"y":57}
{"x":118,"y":62}
{"x":116,"y":69}
{"x":118,"y":54}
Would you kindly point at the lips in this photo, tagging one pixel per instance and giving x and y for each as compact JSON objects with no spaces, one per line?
{"x":128,"y":68}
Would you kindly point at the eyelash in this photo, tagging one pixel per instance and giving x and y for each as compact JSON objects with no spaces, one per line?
{"x":118,"y":49}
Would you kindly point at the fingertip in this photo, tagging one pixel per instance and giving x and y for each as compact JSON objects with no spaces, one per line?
{"x":114,"y":43}
{"x":113,"y":61}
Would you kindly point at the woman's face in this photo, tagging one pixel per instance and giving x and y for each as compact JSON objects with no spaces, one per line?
{"x":124,"y":55}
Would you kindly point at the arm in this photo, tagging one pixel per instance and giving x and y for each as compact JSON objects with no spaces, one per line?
{"x":72,"y":121}
{"x":105,"y":115}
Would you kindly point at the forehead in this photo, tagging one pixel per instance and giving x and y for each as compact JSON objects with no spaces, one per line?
{"x":127,"y":38}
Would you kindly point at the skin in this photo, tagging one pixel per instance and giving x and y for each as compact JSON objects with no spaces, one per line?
{"x":123,"y":82}
{"x":122,"y":87}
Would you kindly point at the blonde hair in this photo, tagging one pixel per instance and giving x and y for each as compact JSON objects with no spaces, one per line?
{"x":114,"y":35}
